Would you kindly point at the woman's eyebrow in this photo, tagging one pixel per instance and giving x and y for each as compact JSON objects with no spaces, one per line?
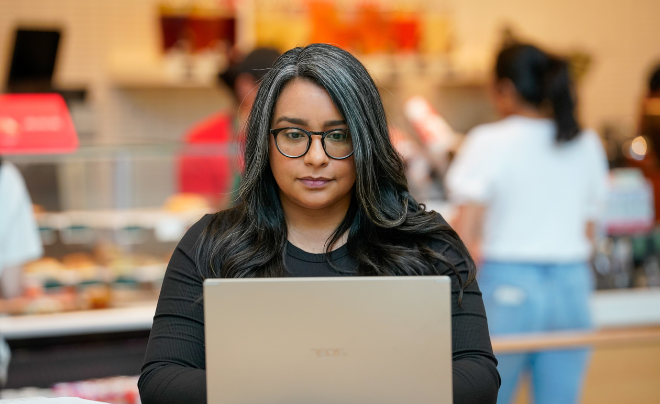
{"x":295,"y":121}
{"x":334,"y":123}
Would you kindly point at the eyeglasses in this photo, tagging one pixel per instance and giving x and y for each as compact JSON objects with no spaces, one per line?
{"x":295,"y":142}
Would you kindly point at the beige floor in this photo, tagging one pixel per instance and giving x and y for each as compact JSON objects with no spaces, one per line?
{"x":621,"y":374}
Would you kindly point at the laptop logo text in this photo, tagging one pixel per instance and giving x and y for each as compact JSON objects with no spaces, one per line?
{"x":329,"y":352}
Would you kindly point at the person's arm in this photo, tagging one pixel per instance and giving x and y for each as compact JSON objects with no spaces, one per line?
{"x":468,"y":223}
{"x":591,"y":234}
{"x":475,"y":376}
{"x":471,"y":186}
{"x":174,"y":364}
{"x":10,"y":282}
{"x":598,"y":186}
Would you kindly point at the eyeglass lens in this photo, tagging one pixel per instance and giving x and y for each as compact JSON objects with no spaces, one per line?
{"x":294,"y":142}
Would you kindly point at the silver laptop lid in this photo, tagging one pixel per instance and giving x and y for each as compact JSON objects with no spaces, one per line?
{"x":345,"y":340}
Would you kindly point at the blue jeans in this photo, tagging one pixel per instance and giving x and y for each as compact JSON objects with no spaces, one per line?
{"x":532,"y":298}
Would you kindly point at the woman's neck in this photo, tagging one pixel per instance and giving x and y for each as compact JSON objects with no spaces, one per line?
{"x":528,"y":111}
{"x":310,"y":229}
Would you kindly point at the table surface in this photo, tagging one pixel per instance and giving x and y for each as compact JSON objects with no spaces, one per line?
{"x":610,"y":309}
{"x":43,"y":400}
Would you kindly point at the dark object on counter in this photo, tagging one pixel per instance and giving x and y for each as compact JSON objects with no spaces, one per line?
{"x":33,"y":60}
{"x":33,"y":63}
{"x":613,"y":263}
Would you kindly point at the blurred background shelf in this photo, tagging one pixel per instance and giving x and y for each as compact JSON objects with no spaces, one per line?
{"x":137,"y":78}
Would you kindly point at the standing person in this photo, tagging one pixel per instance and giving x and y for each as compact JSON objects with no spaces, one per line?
{"x":19,"y":241}
{"x":323,"y":194}
{"x":649,"y":128}
{"x":206,"y":167}
{"x":650,"y":111}
{"x":528,"y":190}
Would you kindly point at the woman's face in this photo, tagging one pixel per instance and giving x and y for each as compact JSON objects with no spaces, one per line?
{"x":313,"y":181}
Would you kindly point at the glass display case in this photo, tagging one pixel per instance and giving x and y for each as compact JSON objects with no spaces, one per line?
{"x":110,"y":217}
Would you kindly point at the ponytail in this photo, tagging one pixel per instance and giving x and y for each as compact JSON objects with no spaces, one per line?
{"x":541,"y":79}
{"x":559,"y":90}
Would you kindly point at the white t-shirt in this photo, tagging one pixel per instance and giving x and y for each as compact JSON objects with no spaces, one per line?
{"x":539,"y":195}
{"x":19,"y":234}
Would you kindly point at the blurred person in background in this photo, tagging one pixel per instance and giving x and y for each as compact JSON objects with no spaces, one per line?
{"x":650,"y":110}
{"x":529,"y":189}
{"x":647,"y":144}
{"x":206,"y":167}
{"x":19,"y":241}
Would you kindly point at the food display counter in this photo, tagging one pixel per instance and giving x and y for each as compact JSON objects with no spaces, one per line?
{"x":85,"y":309}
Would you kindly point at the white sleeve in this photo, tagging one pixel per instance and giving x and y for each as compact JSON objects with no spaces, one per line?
{"x":471,"y":176}
{"x":599,"y":170}
{"x":19,"y":234}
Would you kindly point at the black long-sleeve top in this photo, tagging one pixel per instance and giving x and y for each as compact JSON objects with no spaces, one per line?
{"x":174,"y":365}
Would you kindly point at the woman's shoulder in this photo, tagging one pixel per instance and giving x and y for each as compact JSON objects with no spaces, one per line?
{"x":449,"y":244}
{"x":452,"y":256}
{"x":489,"y":140}
{"x":502,"y":128}
{"x":590,"y":139}
{"x":213,"y":223}
{"x":440,"y":237}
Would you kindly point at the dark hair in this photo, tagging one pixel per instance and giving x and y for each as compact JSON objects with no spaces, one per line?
{"x":654,"y":80}
{"x":389,"y":233}
{"x":541,"y":80}
{"x":257,"y":63}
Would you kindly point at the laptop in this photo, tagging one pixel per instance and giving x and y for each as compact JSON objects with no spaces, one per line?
{"x":344,"y":340}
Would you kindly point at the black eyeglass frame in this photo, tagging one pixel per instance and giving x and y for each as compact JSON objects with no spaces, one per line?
{"x":309,"y":134}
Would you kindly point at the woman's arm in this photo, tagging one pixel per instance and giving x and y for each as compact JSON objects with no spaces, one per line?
{"x":174,"y":365}
{"x":475,"y":375}
{"x":468,"y":223}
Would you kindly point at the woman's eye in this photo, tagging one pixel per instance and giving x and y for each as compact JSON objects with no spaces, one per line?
{"x":337,"y":136}
{"x":295,"y":135}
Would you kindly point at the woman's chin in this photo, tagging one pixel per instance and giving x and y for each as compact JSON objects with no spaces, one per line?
{"x":315,"y":201}
{"x":314,"y":204}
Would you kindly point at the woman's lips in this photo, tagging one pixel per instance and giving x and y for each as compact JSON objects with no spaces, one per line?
{"x":312,"y":182}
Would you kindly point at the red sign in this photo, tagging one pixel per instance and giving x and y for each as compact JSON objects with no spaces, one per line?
{"x":35,"y":124}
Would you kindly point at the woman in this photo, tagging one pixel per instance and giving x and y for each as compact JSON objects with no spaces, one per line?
{"x":323,"y":194}
{"x":529,"y":188}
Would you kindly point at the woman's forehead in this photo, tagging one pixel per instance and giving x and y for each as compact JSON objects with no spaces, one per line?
{"x":303,"y":102}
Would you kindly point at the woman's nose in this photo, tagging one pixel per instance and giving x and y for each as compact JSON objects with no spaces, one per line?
{"x":316,"y":155}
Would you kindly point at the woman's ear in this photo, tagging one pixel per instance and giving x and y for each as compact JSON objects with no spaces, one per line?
{"x":504,"y":96}
{"x":507,"y":88}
